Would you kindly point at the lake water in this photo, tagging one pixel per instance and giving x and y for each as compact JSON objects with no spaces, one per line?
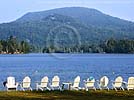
{"x":66,"y":66}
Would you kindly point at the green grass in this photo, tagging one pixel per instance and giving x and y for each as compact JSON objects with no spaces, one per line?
{"x":67,"y":95}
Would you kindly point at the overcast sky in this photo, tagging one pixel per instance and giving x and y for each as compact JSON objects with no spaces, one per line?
{"x":12,"y":9}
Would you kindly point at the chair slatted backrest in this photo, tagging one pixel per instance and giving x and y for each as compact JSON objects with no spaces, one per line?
{"x":130,"y":83}
{"x":11,"y":81}
{"x":90,"y":83}
{"x":44,"y":81}
{"x":76,"y":81}
{"x":104,"y":81}
{"x":118,"y":81}
{"x":26,"y":82}
{"x":55,"y":81}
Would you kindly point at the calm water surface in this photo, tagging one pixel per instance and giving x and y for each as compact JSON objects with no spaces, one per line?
{"x":66,"y":66}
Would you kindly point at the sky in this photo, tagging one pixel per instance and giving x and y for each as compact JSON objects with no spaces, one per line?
{"x":11,"y":10}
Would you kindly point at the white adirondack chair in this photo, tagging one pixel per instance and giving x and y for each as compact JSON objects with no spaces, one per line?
{"x":130,"y":84}
{"x":75,"y":85}
{"x":103,"y":83}
{"x":55,"y":83}
{"x":26,"y":84}
{"x":90,"y":84}
{"x":43,"y":84}
{"x":118,"y":83}
{"x":11,"y":84}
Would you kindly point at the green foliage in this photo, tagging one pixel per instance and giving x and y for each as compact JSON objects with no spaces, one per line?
{"x":12,"y":46}
{"x":109,"y":46}
{"x":118,"y":46}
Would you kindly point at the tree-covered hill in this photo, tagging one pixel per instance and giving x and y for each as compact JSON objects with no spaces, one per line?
{"x":67,"y":27}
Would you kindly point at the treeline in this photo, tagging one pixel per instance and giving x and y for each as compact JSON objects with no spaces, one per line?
{"x":73,"y":49}
{"x":13,"y":46}
{"x":118,"y":46}
{"x":109,"y":46}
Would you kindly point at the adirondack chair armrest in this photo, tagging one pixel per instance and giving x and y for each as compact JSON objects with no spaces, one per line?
{"x":125,"y":83}
{"x":6,"y":85}
{"x":84,"y":80}
{"x":20,"y":84}
{"x":112,"y":81}
{"x":37,"y":83}
{"x":17,"y":84}
{"x":70,"y":83}
{"x":79,"y":88}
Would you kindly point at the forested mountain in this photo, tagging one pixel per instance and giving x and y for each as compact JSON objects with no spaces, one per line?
{"x":66,"y":27}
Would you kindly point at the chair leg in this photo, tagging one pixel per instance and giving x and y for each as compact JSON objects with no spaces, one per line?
{"x":30,"y":88}
{"x":60,"y":88}
{"x":52,"y":88}
{"x":86,"y":89}
{"x":94,"y":88}
{"x":37,"y":88}
{"x":122,"y":88}
{"x":23,"y":89}
{"x":100,"y":88}
{"x":107,"y":88}
{"x":41,"y":89}
{"x":48,"y":88}
{"x":115,"y":89}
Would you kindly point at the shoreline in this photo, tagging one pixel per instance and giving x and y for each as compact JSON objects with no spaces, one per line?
{"x":67,"y":53}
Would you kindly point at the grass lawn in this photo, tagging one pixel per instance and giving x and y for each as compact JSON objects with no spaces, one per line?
{"x":67,"y":95}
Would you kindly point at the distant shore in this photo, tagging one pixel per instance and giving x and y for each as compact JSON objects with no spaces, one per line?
{"x":11,"y":53}
{"x":60,"y":53}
